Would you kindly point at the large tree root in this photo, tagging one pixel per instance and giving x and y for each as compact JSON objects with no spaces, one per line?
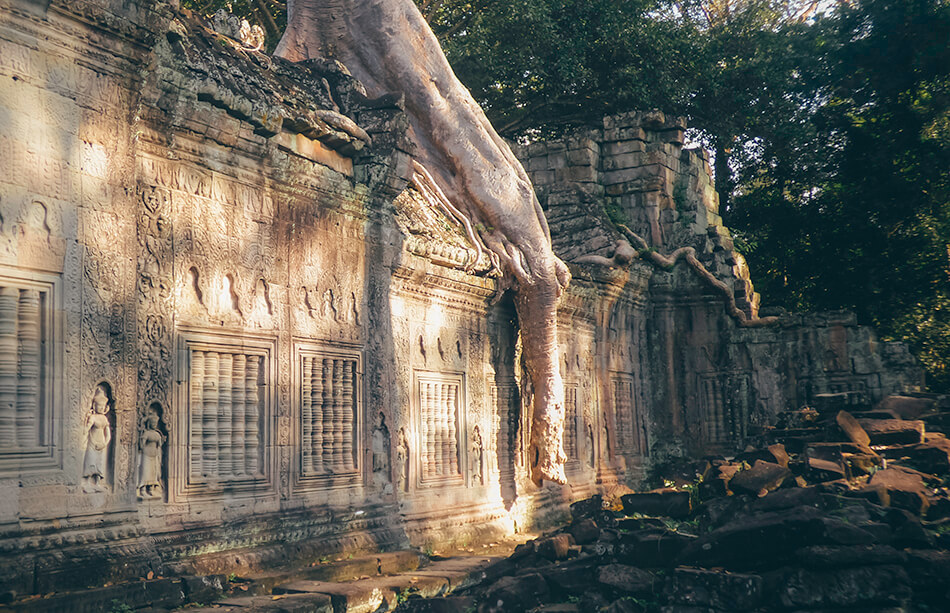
{"x":388,"y":46}
{"x":689,"y":255}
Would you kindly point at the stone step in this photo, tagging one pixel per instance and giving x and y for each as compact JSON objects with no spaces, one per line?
{"x":388,"y":563}
{"x":362,"y":594}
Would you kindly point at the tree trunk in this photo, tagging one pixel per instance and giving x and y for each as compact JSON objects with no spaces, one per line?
{"x":388,"y":45}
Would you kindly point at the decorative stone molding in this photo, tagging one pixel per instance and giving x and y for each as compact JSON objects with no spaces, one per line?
{"x":328,"y":415}
{"x":224,"y":430}
{"x":28,"y":370}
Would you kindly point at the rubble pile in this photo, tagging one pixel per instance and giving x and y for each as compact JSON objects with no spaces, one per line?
{"x":840,"y":508}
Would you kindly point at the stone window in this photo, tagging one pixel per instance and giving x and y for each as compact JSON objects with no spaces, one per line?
{"x":503,"y":400}
{"x":439,"y":402}
{"x":229,"y":384}
{"x":26,"y":372}
{"x":725,"y":405}
{"x":631,"y":438}
{"x":329,"y":402}
{"x":570,"y":422}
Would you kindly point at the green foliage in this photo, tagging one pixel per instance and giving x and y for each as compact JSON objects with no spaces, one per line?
{"x":117,"y":606}
{"x":850,"y":204}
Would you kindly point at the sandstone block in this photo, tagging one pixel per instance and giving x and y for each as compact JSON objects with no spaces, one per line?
{"x":716,"y":589}
{"x":554,"y":548}
{"x":906,"y":488}
{"x":625,"y":578}
{"x":847,"y":587}
{"x":762,"y":478}
{"x":893,"y":431}
{"x":668,"y":503}
{"x":584,"y":531}
{"x":852,"y":429}
{"x":518,"y":593}
{"x":907,"y":407}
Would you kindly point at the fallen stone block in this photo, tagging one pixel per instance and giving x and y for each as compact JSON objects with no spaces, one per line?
{"x":584,"y":531}
{"x":363,"y":596}
{"x":789,"y":498}
{"x":666,"y":503}
{"x":762,"y":478}
{"x":906,"y":530}
{"x":907,"y":407}
{"x":553,"y":548}
{"x":852,"y":429}
{"x":893,"y":431}
{"x":715,"y":588}
{"x":290,"y":603}
{"x":757,"y":542}
{"x":820,"y":471}
{"x":827,"y":556}
{"x":905,"y":488}
{"x":652,"y":548}
{"x":518,"y":593}
{"x":932,"y":456}
{"x":846,"y":587}
{"x":444,"y":604}
{"x":591,"y":507}
{"x":572,"y":577}
{"x":626,"y":578}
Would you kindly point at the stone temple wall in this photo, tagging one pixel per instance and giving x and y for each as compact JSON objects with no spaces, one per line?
{"x":709,"y":382}
{"x":232,"y":336}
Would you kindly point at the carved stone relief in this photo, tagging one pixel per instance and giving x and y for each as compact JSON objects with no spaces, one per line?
{"x":152,"y":468}
{"x":97,"y":466}
{"x":382,"y":480}
{"x":478,"y":457}
{"x":402,"y":461}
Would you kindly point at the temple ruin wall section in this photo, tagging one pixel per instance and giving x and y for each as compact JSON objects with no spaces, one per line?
{"x":231,"y":335}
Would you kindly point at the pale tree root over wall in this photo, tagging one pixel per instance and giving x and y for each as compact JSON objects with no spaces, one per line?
{"x":388,"y":46}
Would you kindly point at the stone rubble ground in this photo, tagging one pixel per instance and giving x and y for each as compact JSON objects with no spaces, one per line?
{"x":840,"y":508}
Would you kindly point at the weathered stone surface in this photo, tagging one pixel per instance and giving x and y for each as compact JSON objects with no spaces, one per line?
{"x":652,"y":548}
{"x":584,"y":531}
{"x":907,"y":407}
{"x":852,"y":429}
{"x":626,"y":578}
{"x":668,"y":503}
{"x":554,"y":548}
{"x":847,"y":587}
{"x":762,"y":478}
{"x":824,"y":470}
{"x":905,"y":488}
{"x":517,"y":593}
{"x":715,"y":589}
{"x":893,"y":431}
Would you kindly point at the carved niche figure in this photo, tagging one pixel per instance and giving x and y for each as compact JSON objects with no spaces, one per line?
{"x":95,"y":467}
{"x":380,"y":448}
{"x":478,"y":457}
{"x":152,"y":447}
{"x":402,"y":461}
